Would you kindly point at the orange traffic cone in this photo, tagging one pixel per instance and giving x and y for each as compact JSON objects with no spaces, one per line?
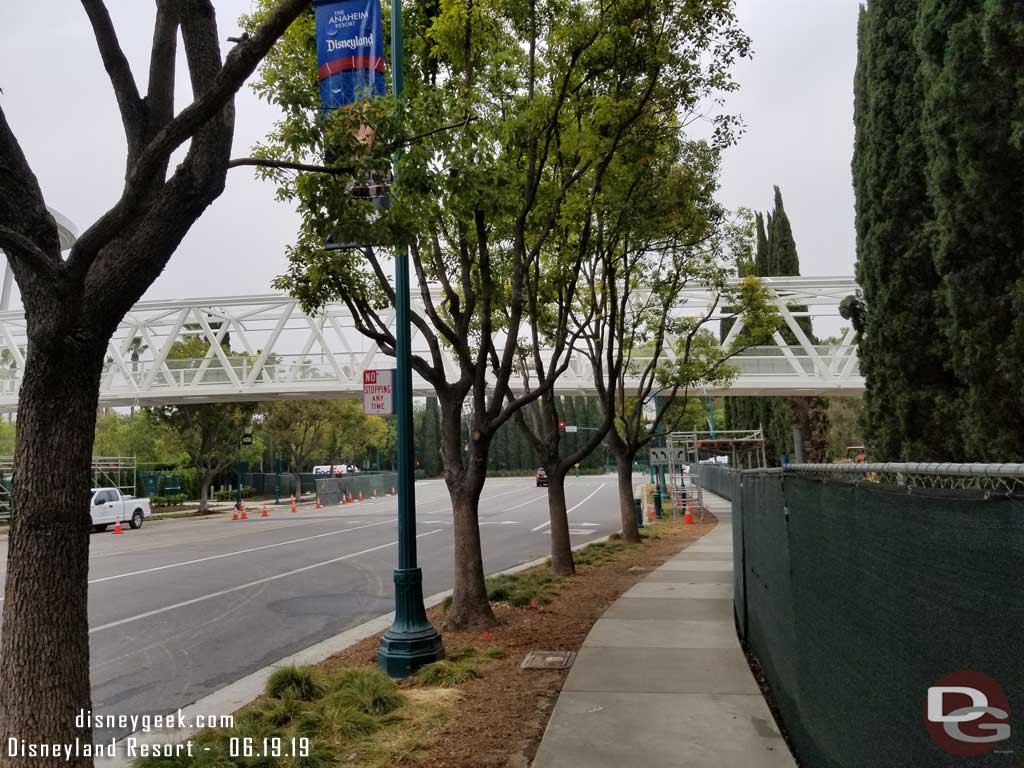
{"x":117,"y":527}
{"x":318,"y":502}
{"x":360,"y":495}
{"x":688,"y":517}
{"x":265,"y":513}
{"x":242,"y":508}
{"x":235,"y":516}
{"x":293,"y":505}
{"x":393,"y":491}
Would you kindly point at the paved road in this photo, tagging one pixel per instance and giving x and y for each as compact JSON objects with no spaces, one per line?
{"x":179,"y":609}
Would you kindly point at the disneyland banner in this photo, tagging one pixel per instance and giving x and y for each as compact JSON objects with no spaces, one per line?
{"x":350,"y":51}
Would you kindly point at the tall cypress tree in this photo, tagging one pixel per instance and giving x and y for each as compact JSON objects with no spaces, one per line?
{"x":784,"y":259}
{"x":761,"y":266}
{"x":776,"y":255}
{"x":973,"y":131}
{"x":910,"y":398}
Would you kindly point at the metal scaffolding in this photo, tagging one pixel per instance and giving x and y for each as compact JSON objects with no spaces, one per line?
{"x":688,"y":452}
{"x":107,"y":472}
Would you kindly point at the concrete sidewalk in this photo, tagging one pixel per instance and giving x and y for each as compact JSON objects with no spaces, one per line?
{"x":661,"y":679}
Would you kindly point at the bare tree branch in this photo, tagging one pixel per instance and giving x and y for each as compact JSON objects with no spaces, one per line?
{"x":23,"y":209}
{"x":240,"y":63}
{"x":118,"y":70}
{"x":265,"y":162}
{"x":159,"y":99}
{"x":20,"y":247}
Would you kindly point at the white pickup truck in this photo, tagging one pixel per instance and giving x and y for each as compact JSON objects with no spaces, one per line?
{"x":108,"y":505}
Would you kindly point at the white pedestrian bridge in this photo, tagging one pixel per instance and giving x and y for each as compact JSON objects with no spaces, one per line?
{"x":279,"y":351}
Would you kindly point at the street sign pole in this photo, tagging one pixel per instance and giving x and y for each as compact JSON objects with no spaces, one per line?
{"x":412,"y":641}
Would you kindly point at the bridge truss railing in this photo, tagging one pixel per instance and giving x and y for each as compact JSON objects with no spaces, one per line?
{"x":265,"y":347}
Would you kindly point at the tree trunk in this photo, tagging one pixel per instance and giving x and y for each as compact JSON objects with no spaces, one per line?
{"x":465,"y":477}
{"x":204,"y":492}
{"x":44,"y":654}
{"x":624,"y":467}
{"x":297,"y":485}
{"x":470,"y":606}
{"x":562,"y":563}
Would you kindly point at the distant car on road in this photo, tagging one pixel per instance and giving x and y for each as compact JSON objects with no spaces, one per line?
{"x":108,"y":505}
{"x":542,"y":477}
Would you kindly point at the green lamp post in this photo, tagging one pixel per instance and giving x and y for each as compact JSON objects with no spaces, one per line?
{"x":412,"y":641}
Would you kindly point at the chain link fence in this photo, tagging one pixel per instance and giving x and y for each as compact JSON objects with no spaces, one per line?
{"x":858,"y":587}
{"x":331,"y":490}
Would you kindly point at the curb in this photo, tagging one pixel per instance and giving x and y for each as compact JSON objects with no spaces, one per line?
{"x":233,"y":697}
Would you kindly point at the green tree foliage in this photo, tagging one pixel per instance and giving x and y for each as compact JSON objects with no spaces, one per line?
{"x":308,"y":432}
{"x":911,"y":409}
{"x":783,"y":258}
{"x":971,"y":153}
{"x":210,"y":434}
{"x":552,"y":101}
{"x":427,"y":438}
{"x":140,"y":435}
{"x":761,"y":263}
{"x":7,"y":435}
{"x":845,"y":426}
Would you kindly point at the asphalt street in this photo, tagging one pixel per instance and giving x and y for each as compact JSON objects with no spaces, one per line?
{"x":181,"y":608}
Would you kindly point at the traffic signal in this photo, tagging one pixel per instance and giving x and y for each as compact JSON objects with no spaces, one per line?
{"x":561,"y":427}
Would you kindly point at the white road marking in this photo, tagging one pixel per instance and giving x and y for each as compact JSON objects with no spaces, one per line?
{"x":577,"y":532}
{"x":232,"y":554}
{"x":517,"y":506}
{"x":542,"y":526}
{"x":500,"y":522}
{"x":240,"y":587}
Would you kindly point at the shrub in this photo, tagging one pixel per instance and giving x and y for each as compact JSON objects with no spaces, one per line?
{"x":168,"y":501}
{"x":302,"y":683}
{"x":274,"y":712}
{"x":368,"y":690}
{"x":599,"y":552}
{"x":228,"y":495}
{"x":447,"y":673}
{"x":522,"y":588}
{"x":333,"y":721}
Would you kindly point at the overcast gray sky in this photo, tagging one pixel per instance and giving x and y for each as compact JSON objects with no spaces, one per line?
{"x":796,"y":101}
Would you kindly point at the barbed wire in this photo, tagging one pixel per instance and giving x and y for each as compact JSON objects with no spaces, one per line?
{"x":988,"y":478}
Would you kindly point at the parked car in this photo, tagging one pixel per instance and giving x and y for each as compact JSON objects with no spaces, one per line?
{"x":542,"y":477}
{"x":109,"y":505}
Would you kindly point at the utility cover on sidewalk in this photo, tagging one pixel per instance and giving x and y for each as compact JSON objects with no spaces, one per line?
{"x":549,"y":660}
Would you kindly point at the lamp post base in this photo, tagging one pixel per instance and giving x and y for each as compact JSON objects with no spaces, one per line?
{"x":412,"y":641}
